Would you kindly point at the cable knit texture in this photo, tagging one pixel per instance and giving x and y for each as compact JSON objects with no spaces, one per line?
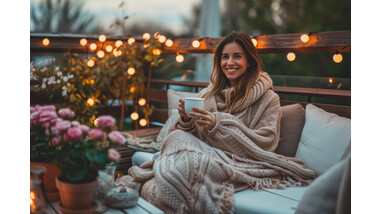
{"x":199,"y":170}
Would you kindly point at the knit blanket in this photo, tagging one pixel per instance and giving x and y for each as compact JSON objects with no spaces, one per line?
{"x":199,"y":170}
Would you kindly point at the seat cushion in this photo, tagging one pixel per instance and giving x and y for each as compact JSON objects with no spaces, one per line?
{"x":325,"y":138}
{"x":291,"y":127}
{"x":266,"y":201}
{"x":322,"y":194}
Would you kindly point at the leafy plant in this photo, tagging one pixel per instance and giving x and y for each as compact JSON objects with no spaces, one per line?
{"x":72,"y":83}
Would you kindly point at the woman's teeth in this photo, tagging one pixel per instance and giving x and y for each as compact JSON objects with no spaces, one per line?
{"x":231,"y":69}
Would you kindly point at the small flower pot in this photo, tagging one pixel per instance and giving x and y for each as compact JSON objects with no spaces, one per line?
{"x":77,"y":197}
{"x":49,"y":180}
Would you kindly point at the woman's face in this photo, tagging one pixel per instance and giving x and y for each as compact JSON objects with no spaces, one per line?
{"x":233,"y":62}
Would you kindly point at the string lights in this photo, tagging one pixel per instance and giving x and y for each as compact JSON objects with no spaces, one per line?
{"x":102,"y":38}
{"x":131,"y":71}
{"x":143,"y":122}
{"x":337,"y":57}
{"x":305,"y":37}
{"x":142,"y":101}
{"x":169,"y":43}
{"x":131,"y":41}
{"x":93,"y":46}
{"x":134,"y":116}
{"x":291,"y":56}
{"x":196,"y":43}
{"x":179,"y":58}
{"x":83,"y":42}
{"x":146,"y":36}
{"x":118,"y":43}
{"x":45,"y":42}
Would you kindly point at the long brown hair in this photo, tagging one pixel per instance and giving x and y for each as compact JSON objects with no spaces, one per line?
{"x":219,"y":81}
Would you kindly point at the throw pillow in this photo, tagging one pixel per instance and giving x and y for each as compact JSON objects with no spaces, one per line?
{"x":325,"y":138}
{"x":322,"y":195}
{"x":291,"y":126}
{"x":173,"y":114}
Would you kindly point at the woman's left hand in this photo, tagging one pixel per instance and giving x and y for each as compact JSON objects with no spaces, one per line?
{"x":203,"y":118}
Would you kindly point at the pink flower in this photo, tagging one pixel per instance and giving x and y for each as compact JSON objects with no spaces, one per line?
{"x":54,"y":131}
{"x":106,"y":122}
{"x":116,"y":137}
{"x":113,"y":154}
{"x":62,"y":126}
{"x":74,"y":133}
{"x":85,"y":129}
{"x":47,"y":108}
{"x":56,"y":141}
{"x":96,"y":134}
{"x":35,"y":117}
{"x":66,"y":113}
{"x":47,"y":118}
{"x":32,"y":109}
{"x":75,"y":124}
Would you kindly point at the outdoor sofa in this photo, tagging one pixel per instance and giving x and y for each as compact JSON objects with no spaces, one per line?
{"x":320,"y":138}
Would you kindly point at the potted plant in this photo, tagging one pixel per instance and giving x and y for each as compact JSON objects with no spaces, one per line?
{"x":79,"y":152}
{"x":41,"y":151}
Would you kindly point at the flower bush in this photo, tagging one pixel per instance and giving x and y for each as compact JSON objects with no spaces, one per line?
{"x":76,"y":149}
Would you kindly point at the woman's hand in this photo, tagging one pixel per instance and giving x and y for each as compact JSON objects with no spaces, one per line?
{"x":182,"y":113}
{"x":203,"y":118}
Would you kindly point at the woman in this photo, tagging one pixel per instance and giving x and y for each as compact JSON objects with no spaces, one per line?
{"x":229,"y":147}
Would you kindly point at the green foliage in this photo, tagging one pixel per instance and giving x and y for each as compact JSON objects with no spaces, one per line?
{"x":70,"y":82}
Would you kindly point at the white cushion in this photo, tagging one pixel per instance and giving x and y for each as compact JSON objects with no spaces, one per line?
{"x":325,"y":138}
{"x":173,"y":114}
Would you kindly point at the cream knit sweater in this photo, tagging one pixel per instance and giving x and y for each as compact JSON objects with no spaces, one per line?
{"x":199,"y":170}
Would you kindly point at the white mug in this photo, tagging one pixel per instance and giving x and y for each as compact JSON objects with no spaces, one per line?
{"x":191,"y":102}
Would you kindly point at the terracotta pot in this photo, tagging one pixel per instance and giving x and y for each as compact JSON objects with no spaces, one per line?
{"x":49,"y":180}
{"x":76,"y":196}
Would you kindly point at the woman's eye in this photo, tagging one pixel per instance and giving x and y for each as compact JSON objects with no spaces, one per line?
{"x":238,"y":56}
{"x":224,"y":57}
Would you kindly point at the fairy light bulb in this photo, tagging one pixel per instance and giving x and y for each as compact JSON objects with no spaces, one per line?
{"x":179,"y":58}
{"x":93,"y":46}
{"x":143,"y":122}
{"x":83,"y":42}
{"x":131,"y":71}
{"x":131,"y":41}
{"x":134,"y":116}
{"x":45,"y":42}
{"x":118,"y":43}
{"x":169,"y":43}
{"x":146,"y":36}
{"x":142,"y":101}
{"x":90,"y":63}
{"x":291,"y":56}
{"x":115,"y":52}
{"x":96,"y":122}
{"x":196,"y":43}
{"x":109,"y":48}
{"x":330,"y":80}
{"x":156,"y":52}
{"x":337,"y":57}
{"x":102,"y":38}
{"x":304,"y":38}
{"x":162,"y":38}
{"x":91,"y":101}
{"x":255,"y":42}
{"x":100,"y":54}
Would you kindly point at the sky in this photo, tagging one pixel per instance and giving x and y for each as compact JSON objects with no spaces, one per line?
{"x":168,"y":12}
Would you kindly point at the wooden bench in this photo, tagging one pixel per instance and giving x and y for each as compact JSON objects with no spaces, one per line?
{"x":157,"y":96}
